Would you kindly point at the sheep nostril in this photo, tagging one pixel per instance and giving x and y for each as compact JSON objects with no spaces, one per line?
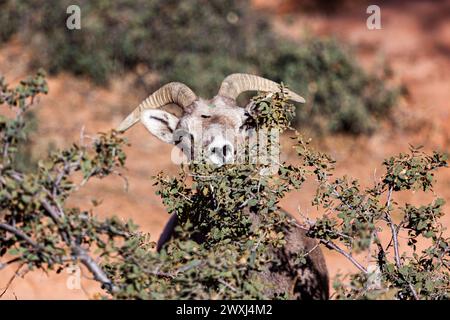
{"x":227,"y":150}
{"x":215,"y":150}
{"x":223,"y":151}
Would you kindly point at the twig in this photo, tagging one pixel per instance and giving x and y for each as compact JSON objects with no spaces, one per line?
{"x":393,"y":229}
{"x":202,"y":176}
{"x":311,"y":250}
{"x":185,"y":197}
{"x":5,"y":151}
{"x":54,"y":213}
{"x":243,"y":204}
{"x":311,"y":223}
{"x":16,"y":273}
{"x":94,"y":268}
{"x":19,"y":234}
{"x":64,"y":171}
{"x":394,"y":232}
{"x":332,"y":246}
{"x":4,"y":264}
{"x":226,"y":284}
{"x":163,"y":274}
{"x":188,"y":267}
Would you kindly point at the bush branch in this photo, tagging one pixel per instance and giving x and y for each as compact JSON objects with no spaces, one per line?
{"x":19,"y":234}
{"x":394,"y":232}
{"x":330,"y":245}
{"x":94,"y":268}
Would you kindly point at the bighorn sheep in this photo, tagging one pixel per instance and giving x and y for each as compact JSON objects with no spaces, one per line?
{"x":214,"y":126}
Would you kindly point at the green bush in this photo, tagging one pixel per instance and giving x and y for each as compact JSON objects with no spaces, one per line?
{"x":339,"y":93}
{"x":11,"y":15}
{"x":199,"y":43}
{"x":39,"y":230}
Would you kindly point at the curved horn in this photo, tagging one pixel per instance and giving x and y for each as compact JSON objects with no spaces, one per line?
{"x":173,"y":92}
{"x":236,"y":83}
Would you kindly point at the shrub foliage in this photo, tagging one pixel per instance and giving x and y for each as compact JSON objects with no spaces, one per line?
{"x":39,"y":230}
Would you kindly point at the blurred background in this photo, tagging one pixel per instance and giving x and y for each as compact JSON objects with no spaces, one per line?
{"x":370,"y":93}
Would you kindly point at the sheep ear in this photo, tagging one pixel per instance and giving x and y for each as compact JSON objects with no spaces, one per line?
{"x":160,"y":123}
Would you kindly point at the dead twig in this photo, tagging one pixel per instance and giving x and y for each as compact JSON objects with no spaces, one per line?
{"x":10,"y":281}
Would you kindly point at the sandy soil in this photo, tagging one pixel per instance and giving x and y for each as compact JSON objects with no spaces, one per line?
{"x":415,"y":40}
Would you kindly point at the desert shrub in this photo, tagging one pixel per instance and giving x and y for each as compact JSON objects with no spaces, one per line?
{"x":180,"y":42}
{"x":11,"y":14}
{"x":341,"y":96}
{"x":39,"y":230}
{"x":355,"y":217}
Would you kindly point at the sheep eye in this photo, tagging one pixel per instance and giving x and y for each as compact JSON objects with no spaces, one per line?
{"x":205,"y":116}
{"x":244,"y":126}
{"x":179,"y":135}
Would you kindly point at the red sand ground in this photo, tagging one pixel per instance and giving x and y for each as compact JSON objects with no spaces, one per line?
{"x":415,"y":40}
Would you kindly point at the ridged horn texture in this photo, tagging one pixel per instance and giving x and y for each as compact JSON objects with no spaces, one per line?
{"x":173,"y":92}
{"x":236,"y":83}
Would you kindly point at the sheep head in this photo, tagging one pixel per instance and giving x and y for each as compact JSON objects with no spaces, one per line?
{"x":212,"y":129}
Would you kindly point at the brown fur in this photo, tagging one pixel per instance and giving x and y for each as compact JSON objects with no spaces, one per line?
{"x":306,"y":282}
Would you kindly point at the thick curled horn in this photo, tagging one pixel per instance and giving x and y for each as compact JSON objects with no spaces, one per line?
{"x":173,"y":92}
{"x":236,"y":83}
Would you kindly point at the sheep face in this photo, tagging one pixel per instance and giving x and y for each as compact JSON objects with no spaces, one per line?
{"x":211,"y":130}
